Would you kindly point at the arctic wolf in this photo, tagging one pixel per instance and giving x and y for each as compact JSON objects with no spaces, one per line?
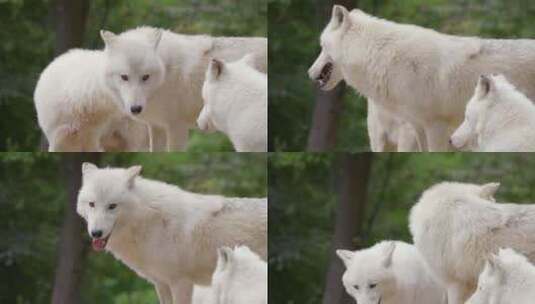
{"x":390,"y":272}
{"x":388,"y":134}
{"x":507,"y":278}
{"x":240,"y":277}
{"x":457,"y":226}
{"x":158,"y":75}
{"x":165,"y":234}
{"x":235,"y":103}
{"x":498,"y":118}
{"x":75,"y":111}
{"x":423,"y":76}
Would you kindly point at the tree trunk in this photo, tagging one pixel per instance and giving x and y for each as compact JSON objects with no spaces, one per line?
{"x":328,"y":105}
{"x":69,"y":20}
{"x":72,"y":250}
{"x":352,"y":198}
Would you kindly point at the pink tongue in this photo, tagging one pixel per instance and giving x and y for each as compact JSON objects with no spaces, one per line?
{"x":99,"y":244}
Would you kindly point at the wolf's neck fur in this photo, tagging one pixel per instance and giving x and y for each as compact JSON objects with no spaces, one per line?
{"x":387,"y":49}
{"x":157,"y":203}
{"x":182,"y":54}
{"x":509,"y":115}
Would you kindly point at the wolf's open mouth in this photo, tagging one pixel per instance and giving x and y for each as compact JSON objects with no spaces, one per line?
{"x":325,"y":74}
{"x":100,"y":244}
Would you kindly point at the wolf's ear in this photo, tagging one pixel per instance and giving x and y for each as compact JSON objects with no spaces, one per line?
{"x":345,"y":256}
{"x":495,"y":268}
{"x":156,"y":37}
{"x":340,"y":16}
{"x":487,"y":191}
{"x":88,"y":167}
{"x":388,"y":253}
{"x":225,"y":255}
{"x":485,"y":85}
{"x":108,"y":37}
{"x":249,"y":60}
{"x":131,"y":174}
{"x":215,"y":69}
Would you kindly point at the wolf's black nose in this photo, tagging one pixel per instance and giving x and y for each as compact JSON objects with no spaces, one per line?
{"x":136,"y":109}
{"x":96,"y":233}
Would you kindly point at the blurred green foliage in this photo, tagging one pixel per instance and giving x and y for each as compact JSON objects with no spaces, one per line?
{"x":294,"y":29}
{"x":32,"y":200}
{"x":303,"y":198}
{"x":28,"y":38}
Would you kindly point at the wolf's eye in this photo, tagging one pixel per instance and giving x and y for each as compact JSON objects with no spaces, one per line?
{"x":91,"y":204}
{"x":145,"y":77}
{"x":372,"y":286}
{"x":112,"y":206}
{"x":124,"y":77}
{"x":356,"y":287}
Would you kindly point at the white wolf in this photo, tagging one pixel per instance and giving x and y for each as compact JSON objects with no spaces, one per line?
{"x":508,"y":278}
{"x":240,"y":277}
{"x":165,"y":234}
{"x":390,"y":272}
{"x":457,"y":226}
{"x":423,"y":76}
{"x":158,"y":75}
{"x":498,"y":118}
{"x":389,"y":134}
{"x":75,"y":111}
{"x":235,"y":103}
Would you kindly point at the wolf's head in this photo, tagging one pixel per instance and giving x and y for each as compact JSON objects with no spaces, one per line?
{"x":104,"y":196}
{"x":133,"y":68}
{"x":238,"y":267}
{"x":326,"y":70}
{"x":369,"y":278}
{"x":490,"y":92}
{"x":501,"y":274}
{"x":222,"y":79}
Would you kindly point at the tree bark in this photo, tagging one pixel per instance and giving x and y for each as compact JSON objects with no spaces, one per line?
{"x":72,"y":250}
{"x":328,"y":105}
{"x":352,"y":199}
{"x":69,"y":20}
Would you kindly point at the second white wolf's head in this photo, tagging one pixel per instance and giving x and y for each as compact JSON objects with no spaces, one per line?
{"x":482,"y":111}
{"x":104,"y":197}
{"x":506,"y":278}
{"x":227,"y":86}
{"x":240,"y":277}
{"x":369,"y":278}
{"x":133,"y":68}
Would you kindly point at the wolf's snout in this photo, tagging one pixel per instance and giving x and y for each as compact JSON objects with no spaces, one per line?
{"x":136,"y":109}
{"x":96,"y":234}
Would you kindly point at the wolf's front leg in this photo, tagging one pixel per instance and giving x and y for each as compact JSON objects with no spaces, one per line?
{"x":164,"y":293}
{"x":182,"y":292}
{"x":177,"y":137}
{"x":407,"y":139}
{"x":157,"y":139}
{"x":457,"y":293}
{"x":437,"y":136}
